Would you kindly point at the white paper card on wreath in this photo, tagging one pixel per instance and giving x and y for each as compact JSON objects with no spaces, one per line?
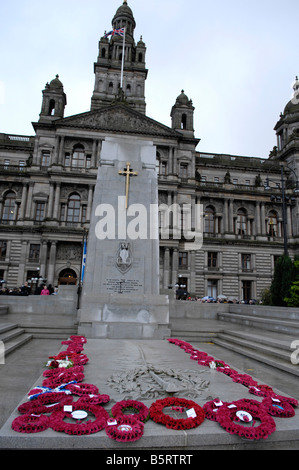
{"x":67,"y":408}
{"x":191,"y":413}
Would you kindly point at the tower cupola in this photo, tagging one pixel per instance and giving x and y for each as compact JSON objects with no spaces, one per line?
{"x":54,"y":101}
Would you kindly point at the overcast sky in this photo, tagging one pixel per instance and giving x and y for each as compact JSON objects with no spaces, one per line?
{"x":237,"y":61}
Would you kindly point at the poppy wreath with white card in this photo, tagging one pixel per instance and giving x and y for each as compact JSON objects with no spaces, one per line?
{"x":195,"y":414}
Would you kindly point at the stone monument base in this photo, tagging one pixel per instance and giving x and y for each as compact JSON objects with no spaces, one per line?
{"x":117,"y":316}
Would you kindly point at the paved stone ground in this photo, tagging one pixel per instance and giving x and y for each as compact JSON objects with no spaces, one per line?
{"x":24,"y":367}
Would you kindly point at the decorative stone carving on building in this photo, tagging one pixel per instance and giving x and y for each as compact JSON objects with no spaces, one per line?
{"x":69,"y":251}
{"x":124,"y":257}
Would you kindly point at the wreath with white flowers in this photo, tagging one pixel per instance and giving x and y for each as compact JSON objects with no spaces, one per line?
{"x":124,"y":428}
{"x":195,"y":419}
{"x":30,"y":423}
{"x":46,"y":403}
{"x":282,"y":407}
{"x":80,"y":427}
{"x":231,"y":416}
{"x":137,"y":409}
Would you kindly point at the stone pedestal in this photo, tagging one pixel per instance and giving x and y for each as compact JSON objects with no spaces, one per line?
{"x":120,"y":297}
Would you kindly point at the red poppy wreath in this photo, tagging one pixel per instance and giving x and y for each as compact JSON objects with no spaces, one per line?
{"x":82,"y":389}
{"x":157,"y":414}
{"x":30,"y":423}
{"x":135,"y":408}
{"x":79,"y":427}
{"x":281,"y":407}
{"x":46,"y":403}
{"x":231,"y":417}
{"x":126,"y":428}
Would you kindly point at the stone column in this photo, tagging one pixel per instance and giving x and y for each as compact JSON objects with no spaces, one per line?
{"x":23,"y":202}
{"x":43,"y":258}
{"x":51,"y":200}
{"x":225,"y":215}
{"x":231,"y":215}
{"x":166,"y":268}
{"x":257,"y":218}
{"x":29,"y":201}
{"x":56,"y":202}
{"x":174,"y":266}
{"x":89,"y":205}
{"x":263,"y":227}
{"x":61,"y":151}
{"x":52,"y":261}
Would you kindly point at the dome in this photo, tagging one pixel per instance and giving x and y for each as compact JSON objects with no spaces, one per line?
{"x":293,"y":104}
{"x":56,"y":83}
{"x":183,"y":100}
{"x":124,"y":12}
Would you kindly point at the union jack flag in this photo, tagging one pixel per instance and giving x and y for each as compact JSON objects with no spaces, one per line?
{"x":115,"y":32}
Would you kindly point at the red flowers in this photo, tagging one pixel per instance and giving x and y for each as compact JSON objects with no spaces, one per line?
{"x":28,"y":423}
{"x":139,"y":410}
{"x":126,"y":429}
{"x":230,"y":420}
{"x":197,"y":414}
{"x":79,"y":428}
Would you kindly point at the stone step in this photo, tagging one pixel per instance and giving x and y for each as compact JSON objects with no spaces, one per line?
{"x":277,"y":358}
{"x":17,"y":342}
{"x":13,"y":337}
{"x":251,"y":342}
{"x":267,"y":323}
{"x":3,"y":309}
{"x":46,"y":332}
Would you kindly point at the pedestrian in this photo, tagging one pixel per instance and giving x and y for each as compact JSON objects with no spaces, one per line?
{"x":45,"y":291}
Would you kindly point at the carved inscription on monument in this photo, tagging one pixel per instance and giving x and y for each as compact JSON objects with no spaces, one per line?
{"x":123,"y":286}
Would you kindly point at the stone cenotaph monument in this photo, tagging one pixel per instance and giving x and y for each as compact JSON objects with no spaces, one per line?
{"x":120,"y":295}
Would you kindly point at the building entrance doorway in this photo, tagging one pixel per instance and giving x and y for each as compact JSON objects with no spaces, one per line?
{"x":67,"y":277}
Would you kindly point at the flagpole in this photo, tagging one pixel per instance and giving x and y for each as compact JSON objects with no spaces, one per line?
{"x":123,"y":60}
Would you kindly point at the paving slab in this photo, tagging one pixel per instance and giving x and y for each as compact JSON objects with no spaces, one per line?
{"x":124,"y":369}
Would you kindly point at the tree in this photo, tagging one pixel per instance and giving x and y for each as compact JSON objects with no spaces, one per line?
{"x":284,"y":275}
{"x":293,"y":299}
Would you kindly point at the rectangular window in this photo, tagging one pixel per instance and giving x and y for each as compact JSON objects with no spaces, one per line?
{"x":246,"y":290}
{"x":184,"y":170}
{"x":34,"y":251}
{"x":183,"y":259}
{"x":212,"y":288}
{"x":40,"y":211}
{"x":212,"y":260}
{"x":67,"y":159}
{"x":246,"y":262}
{"x":45,"y":158}
{"x":3,"y":248}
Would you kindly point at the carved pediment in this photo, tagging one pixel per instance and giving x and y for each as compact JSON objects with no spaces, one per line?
{"x":118,"y":118}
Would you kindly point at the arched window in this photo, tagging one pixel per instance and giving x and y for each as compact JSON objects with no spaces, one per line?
{"x":110,"y":88}
{"x":209,"y":220}
{"x":140,"y":57}
{"x":52,"y":108}
{"x":9,"y":207}
{"x":272,"y":224}
{"x":184,"y":121}
{"x":242,"y":222}
{"x":128,"y":90}
{"x":73,"y":209}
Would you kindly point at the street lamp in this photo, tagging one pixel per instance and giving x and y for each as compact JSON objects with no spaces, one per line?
{"x":284,"y":201}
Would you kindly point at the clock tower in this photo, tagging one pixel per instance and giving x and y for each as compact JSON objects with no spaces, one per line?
{"x":110,"y":61}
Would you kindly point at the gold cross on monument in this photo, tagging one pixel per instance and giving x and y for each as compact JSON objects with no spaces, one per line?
{"x":127,"y":173}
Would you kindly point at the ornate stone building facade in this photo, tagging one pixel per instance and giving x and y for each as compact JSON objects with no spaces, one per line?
{"x":47,"y":180}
